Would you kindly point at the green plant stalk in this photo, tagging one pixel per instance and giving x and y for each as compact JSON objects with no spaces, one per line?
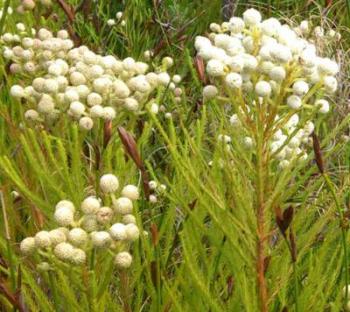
{"x":4,"y":14}
{"x":344,"y":234}
{"x":296,"y":286}
{"x":8,"y":243}
{"x":53,"y":289}
{"x":262,"y":287}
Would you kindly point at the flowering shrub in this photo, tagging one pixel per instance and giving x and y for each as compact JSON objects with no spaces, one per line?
{"x":268,"y":71}
{"x":91,"y":226}
{"x":78,"y":81}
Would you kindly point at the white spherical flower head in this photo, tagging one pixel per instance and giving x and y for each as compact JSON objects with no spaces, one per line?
{"x":210,"y":92}
{"x":234,"y":120}
{"x":101,"y":239}
{"x":77,"y":109}
{"x":86,"y":123}
{"x":330,"y":84}
{"x":65,"y":203}
{"x":300,"y":88}
{"x":17,"y":91}
{"x":278,"y":73}
{"x":64,"y":216}
{"x":89,"y":223}
{"x":111,"y":22}
{"x":152,"y":184}
{"x":129,"y":218}
{"x":77,"y":237}
{"x":78,"y":256}
{"x":123,"y":205}
{"x":109,"y":183}
{"x":108,"y":113}
{"x":64,"y":251}
{"x":132,"y":231}
{"x":90,"y":205}
{"x":96,"y":111}
{"x":131,"y":104}
{"x":94,"y":99}
{"x":294,"y":102}
{"x":42,"y":239}
{"x":328,"y":67}
{"x":131,"y":192}
{"x":234,"y":80}
{"x":104,"y":215}
{"x":123,"y":260}
{"x":236,"y":25}
{"x":153,"y":198}
{"x":323,"y":106}
{"x":215,"y":68}
{"x":57,"y":236}
{"x":118,"y":231}
{"x":27,"y":246}
{"x":252,"y":17}
{"x":263,"y":89}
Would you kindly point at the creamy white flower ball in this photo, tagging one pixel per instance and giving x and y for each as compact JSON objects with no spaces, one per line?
{"x":294,"y":101}
{"x":90,"y":205}
{"x":101,"y":239}
{"x":77,"y":237}
{"x":234,"y":80}
{"x":111,"y":22}
{"x":65,"y":203}
{"x":153,"y":198}
{"x":31,"y":114}
{"x":78,"y":256}
{"x":109,"y":183}
{"x":76,"y":108}
{"x":236,"y":25}
{"x":215,"y":68}
{"x":27,"y":246}
{"x":86,"y":123}
{"x":57,"y":236}
{"x":96,"y":111}
{"x":118,"y":231}
{"x":252,"y":17}
{"x":119,"y":15}
{"x":77,"y":78}
{"x":71,"y":95}
{"x":300,"y":88}
{"x":323,"y":106}
{"x":129,"y":218}
{"x":328,"y":67}
{"x":64,"y":251}
{"x":131,"y":192}
{"x":62,"y":34}
{"x":263,"y":89}
{"x":108,"y":113}
{"x":94,"y":99}
{"x":132,"y":231}
{"x":89,"y":223}
{"x":42,"y":239}
{"x":17,"y":91}
{"x":330,"y":84}
{"x":210,"y":92}
{"x":123,"y":205}
{"x":131,"y":104}
{"x":123,"y":260}
{"x":104,"y":215}
{"x":278,"y":73}
{"x":64,"y":216}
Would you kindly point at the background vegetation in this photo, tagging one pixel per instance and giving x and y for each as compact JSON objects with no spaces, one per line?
{"x":200,"y":251}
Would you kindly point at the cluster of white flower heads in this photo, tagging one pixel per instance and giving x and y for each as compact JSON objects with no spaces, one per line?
{"x":78,"y":81}
{"x":263,"y":65}
{"x":118,"y":19}
{"x":91,"y":226}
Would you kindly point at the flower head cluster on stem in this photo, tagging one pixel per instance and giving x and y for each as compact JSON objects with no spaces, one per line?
{"x":93,"y":226}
